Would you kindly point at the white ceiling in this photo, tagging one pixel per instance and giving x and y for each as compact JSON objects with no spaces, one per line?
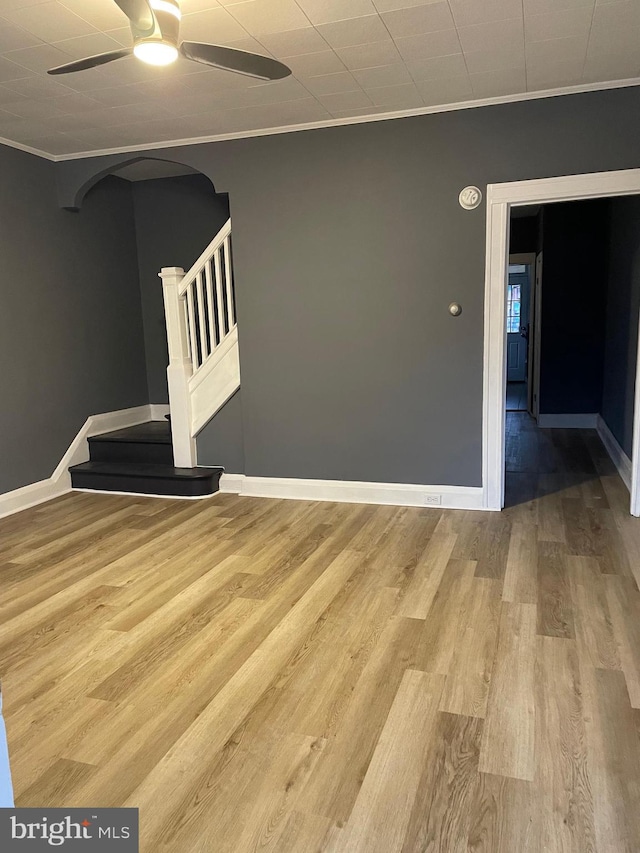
{"x":350,"y":59}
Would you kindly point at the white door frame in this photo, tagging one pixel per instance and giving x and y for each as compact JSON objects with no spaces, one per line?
{"x":500,"y":199}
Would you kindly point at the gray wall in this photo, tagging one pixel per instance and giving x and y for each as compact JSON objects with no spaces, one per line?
{"x":175,"y":220}
{"x":221,"y":441}
{"x":349,"y":245}
{"x":70,"y":319}
{"x":574,"y":285}
{"x":623,"y":307}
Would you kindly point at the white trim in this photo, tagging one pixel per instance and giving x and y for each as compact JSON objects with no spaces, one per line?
{"x":347,"y":491}
{"x":339,"y":491}
{"x":569,"y":421}
{"x":229,"y":483}
{"x":634,"y":487}
{"x":59,"y":483}
{"x":32,"y":495}
{"x":180,"y":367}
{"x":190,"y":275}
{"x":500,"y":198}
{"x":617,"y":454}
{"x":566,"y":187}
{"x":159,"y":411}
{"x":197,"y":391}
{"x":315,"y":125}
{"x":207,"y":399}
{"x":19,"y":146}
{"x":96,"y":425}
{"x":494,"y":378}
{"x":213,"y":361}
{"x":145,"y":495}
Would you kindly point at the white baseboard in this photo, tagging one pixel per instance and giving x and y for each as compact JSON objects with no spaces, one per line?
{"x":581,"y":421}
{"x":145,"y":495}
{"x":95,"y":425}
{"x":617,"y":454}
{"x":230,"y":483}
{"x":33,"y":494}
{"x":59,"y":483}
{"x":159,"y":411}
{"x":345,"y":491}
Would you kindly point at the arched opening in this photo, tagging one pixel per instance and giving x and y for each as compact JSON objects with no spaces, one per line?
{"x":174,"y":212}
{"x":77,"y":177}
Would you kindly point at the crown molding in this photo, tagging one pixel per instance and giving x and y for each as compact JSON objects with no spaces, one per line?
{"x":11,"y":143}
{"x":342,"y":122}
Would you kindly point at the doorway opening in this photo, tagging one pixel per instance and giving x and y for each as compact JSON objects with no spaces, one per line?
{"x":503,"y":317}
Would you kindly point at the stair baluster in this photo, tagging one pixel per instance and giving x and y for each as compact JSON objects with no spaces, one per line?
{"x":202,"y":332}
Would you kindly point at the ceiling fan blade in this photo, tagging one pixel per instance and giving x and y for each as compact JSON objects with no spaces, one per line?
{"x":229,"y":59}
{"x":139,"y":13}
{"x":91,"y":61}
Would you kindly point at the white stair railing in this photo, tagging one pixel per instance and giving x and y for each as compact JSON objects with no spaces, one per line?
{"x":202,"y":333}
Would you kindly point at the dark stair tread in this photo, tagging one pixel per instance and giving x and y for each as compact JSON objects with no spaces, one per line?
{"x":147,"y":470}
{"x":139,"y":460}
{"x":153,"y":432}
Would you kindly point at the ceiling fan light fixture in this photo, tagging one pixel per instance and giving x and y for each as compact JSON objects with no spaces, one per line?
{"x":156,"y":52}
{"x":155,"y":30}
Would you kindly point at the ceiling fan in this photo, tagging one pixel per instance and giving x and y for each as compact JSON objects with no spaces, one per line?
{"x":155,"y":26}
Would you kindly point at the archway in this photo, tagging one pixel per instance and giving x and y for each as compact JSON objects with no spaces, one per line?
{"x":76,"y":177}
{"x":175,"y":213}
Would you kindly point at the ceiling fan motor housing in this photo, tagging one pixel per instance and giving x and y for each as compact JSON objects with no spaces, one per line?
{"x":167,"y":14}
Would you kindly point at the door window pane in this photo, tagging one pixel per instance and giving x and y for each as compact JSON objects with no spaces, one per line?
{"x":513,"y":307}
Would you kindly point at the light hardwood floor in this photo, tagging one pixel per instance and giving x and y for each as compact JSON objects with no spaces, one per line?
{"x":297,"y":677}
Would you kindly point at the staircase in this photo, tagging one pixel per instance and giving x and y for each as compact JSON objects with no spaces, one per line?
{"x":202,"y":334}
{"x":139,"y":460}
{"x":159,"y":457}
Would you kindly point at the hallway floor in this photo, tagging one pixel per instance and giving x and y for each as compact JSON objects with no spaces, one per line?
{"x":516,"y":397}
{"x":299,"y":677}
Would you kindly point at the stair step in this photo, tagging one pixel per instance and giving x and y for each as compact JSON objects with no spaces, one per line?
{"x":145,"y":478}
{"x":156,"y":432}
{"x":147,"y":443}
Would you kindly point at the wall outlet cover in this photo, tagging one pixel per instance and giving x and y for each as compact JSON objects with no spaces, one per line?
{"x":432,"y":500}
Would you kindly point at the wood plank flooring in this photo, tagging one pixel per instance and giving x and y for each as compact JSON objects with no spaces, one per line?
{"x":516,"y":396}
{"x":297,"y":677}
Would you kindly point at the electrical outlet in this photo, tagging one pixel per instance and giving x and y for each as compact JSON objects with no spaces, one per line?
{"x":432,"y":500}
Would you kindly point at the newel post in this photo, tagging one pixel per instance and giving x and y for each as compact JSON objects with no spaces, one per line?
{"x":179,"y":370}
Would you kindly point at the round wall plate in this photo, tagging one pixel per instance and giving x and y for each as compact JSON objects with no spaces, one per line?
{"x":470,"y":198}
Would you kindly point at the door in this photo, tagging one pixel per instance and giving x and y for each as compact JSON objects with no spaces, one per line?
{"x":533,"y":377}
{"x":517,"y":322}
